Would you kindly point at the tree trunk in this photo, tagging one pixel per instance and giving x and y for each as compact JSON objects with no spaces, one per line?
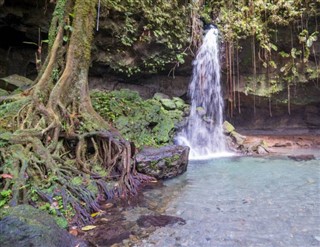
{"x":60,"y":134}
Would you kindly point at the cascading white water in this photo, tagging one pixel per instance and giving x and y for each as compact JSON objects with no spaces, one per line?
{"x":203,"y":132}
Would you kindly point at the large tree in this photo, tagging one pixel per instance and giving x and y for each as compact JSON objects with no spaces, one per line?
{"x":59,"y":147}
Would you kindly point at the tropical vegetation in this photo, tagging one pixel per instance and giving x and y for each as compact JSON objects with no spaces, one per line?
{"x":63,"y":153}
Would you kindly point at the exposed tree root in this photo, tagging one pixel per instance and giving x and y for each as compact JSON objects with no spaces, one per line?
{"x":61,"y":146}
{"x":35,"y":168}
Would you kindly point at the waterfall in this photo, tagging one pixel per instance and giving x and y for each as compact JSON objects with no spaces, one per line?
{"x":204,"y":132}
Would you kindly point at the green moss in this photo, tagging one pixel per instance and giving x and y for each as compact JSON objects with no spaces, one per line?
{"x":264,"y":144}
{"x":77,"y":181}
{"x":58,"y":14}
{"x":228,"y":127}
{"x":145,"y":122}
{"x":99,"y":170}
{"x":61,"y":222}
{"x":153,"y":165}
{"x":8,"y":110}
{"x":5,"y":196}
{"x":170,"y":160}
{"x":4,"y":212}
{"x":92,"y":187}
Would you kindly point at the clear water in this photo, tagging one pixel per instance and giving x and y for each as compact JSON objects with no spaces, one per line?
{"x":203,"y":132}
{"x":242,"y":201}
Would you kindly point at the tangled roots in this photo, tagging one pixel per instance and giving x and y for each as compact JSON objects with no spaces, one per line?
{"x":82,"y":171}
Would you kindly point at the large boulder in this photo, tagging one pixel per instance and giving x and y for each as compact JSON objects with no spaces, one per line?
{"x":164,"y":162}
{"x":13,"y":82}
{"x":27,"y":226}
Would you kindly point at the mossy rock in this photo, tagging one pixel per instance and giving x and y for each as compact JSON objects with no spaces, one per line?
{"x":180,"y":104}
{"x":228,"y":127}
{"x":238,"y":138}
{"x":27,"y":226}
{"x":259,"y":147}
{"x":160,"y":96}
{"x":168,"y":104}
{"x":262,"y":150}
{"x":13,"y":82}
{"x":264,"y":144}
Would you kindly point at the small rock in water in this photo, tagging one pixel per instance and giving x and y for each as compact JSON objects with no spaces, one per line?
{"x":159,"y":220}
{"x":261,"y":150}
{"x":302,"y":157}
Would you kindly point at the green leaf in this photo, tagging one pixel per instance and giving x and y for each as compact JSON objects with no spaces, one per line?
{"x":273,"y":64}
{"x":283,"y":54}
{"x":274,"y":47}
{"x":293,"y":52}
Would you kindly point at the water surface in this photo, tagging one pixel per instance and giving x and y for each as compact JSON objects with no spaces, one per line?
{"x":241,"y":201}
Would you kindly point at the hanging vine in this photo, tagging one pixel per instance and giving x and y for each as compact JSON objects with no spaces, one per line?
{"x":260,"y":22}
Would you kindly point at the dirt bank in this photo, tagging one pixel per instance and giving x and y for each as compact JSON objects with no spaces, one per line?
{"x":275,"y":141}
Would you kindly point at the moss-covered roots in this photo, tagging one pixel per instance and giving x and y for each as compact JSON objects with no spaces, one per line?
{"x":82,"y":169}
{"x":60,"y":145}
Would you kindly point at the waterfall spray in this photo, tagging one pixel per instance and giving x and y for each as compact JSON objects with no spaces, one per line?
{"x":204,"y":131}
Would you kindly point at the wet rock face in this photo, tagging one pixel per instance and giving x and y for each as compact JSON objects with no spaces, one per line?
{"x":164,"y":162}
{"x":303,"y":116}
{"x":27,"y":226}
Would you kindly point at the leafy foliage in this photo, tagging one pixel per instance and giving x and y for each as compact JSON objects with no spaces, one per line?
{"x":146,"y":35}
{"x":5,"y":196}
{"x":266,"y":21}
